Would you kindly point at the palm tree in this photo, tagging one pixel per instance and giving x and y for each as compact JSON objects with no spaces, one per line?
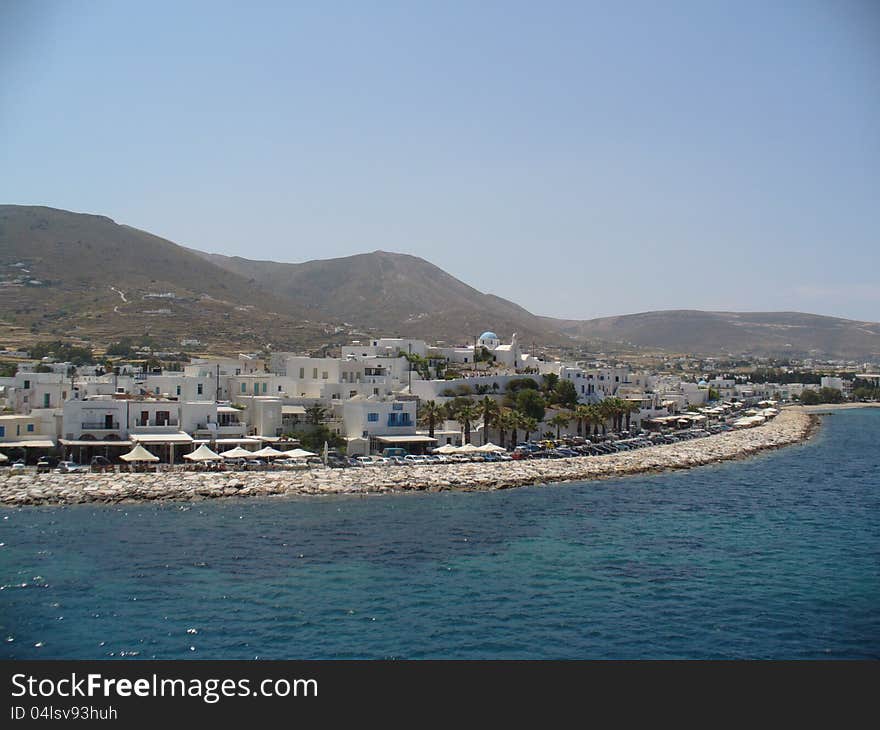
{"x":581,"y":415}
{"x":466,"y":414}
{"x":529,"y":425}
{"x":630,"y":407}
{"x":507,"y":421}
{"x":430,"y":413}
{"x":560,"y":420}
{"x":608,"y":409}
{"x":490,"y":410}
{"x":315,"y":414}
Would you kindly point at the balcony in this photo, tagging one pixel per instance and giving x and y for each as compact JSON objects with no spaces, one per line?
{"x":100,"y":426}
{"x":152,"y":427}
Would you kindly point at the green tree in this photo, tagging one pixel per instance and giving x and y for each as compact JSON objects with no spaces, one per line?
{"x":581,"y":415}
{"x":565,"y":393}
{"x":490,"y":410}
{"x":506,"y":421}
{"x":551,"y":380}
{"x":430,"y":413}
{"x":560,"y":421}
{"x":810,"y":398}
{"x":529,"y":425}
{"x":630,"y":407}
{"x":315,"y":414}
{"x":466,"y":414}
{"x":530,"y":403}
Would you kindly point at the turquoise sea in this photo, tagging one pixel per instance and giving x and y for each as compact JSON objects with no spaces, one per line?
{"x":774,"y":557}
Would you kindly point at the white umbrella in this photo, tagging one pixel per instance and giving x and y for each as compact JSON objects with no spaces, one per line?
{"x":268,"y":452}
{"x":4,"y":457}
{"x":237,"y":453}
{"x":203,"y":453}
{"x":466,"y":449}
{"x":446,"y":449}
{"x":139,"y":453}
{"x":299,"y":453}
{"x":489,"y":448}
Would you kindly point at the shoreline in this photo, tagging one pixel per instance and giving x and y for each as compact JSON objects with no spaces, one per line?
{"x":791,"y":426}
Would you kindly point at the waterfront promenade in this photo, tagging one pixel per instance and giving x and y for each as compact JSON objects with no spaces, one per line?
{"x":791,"y":426}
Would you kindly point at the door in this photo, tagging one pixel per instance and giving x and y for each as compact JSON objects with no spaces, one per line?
{"x":108,"y":423}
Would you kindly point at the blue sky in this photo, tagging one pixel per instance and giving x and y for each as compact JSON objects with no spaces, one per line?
{"x":583,"y":159}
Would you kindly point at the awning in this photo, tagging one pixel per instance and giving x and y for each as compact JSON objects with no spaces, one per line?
{"x":237,"y":453}
{"x":227,"y":409}
{"x":33,"y":444}
{"x":67,"y":442}
{"x":161,"y":438}
{"x":139,"y":453}
{"x":293,"y":410}
{"x":414,"y":439}
{"x":267,"y":452}
{"x":230,"y":441}
{"x":203,"y":453}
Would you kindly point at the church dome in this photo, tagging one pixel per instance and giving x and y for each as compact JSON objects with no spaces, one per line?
{"x":488,"y":336}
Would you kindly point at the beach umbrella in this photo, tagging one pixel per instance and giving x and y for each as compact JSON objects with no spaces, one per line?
{"x":237,"y":453}
{"x":299,"y":454}
{"x":268,"y":452}
{"x":139,"y":453}
{"x":445,"y":449}
{"x":489,"y":448}
{"x":466,"y":449}
{"x":4,"y":457}
{"x":203,"y":453}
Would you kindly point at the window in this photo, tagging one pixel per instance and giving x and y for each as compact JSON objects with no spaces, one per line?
{"x":264,"y":387}
{"x":323,"y":375}
{"x":2,"y":430}
{"x":30,"y":428}
{"x":373,"y":417}
{"x":163,"y":418}
{"x":199,"y":389}
{"x":302,"y":373}
{"x":243,"y":388}
{"x":178,"y":389}
{"x":157,"y":390}
{"x":397,"y":406}
{"x":45,"y":400}
{"x":314,"y":373}
{"x":27,"y":384}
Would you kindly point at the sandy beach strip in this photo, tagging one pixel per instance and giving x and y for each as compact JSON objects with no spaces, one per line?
{"x":791,"y":426}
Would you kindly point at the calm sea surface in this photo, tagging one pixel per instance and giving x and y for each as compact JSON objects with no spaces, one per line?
{"x":776,"y":557}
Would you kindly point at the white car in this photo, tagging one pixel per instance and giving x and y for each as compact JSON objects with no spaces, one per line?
{"x":70,"y":467}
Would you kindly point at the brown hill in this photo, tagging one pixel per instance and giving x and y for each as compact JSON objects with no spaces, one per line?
{"x":760,"y":333}
{"x":392,"y":293}
{"x":61,"y":275}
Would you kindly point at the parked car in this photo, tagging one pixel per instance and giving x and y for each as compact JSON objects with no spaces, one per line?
{"x":70,"y":467}
{"x":101,"y":464}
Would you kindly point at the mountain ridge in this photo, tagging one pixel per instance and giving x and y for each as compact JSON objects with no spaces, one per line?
{"x":75,"y":259}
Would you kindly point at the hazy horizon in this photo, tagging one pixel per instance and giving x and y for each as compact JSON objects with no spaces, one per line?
{"x":578,"y":159}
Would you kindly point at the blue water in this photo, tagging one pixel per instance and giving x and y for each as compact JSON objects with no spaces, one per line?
{"x":776,"y":557}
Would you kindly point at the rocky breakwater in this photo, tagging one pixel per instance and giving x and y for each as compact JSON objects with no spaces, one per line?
{"x":791,"y":426}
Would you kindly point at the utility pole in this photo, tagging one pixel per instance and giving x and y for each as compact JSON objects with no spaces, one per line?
{"x":217,"y":386}
{"x":409,"y":371}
